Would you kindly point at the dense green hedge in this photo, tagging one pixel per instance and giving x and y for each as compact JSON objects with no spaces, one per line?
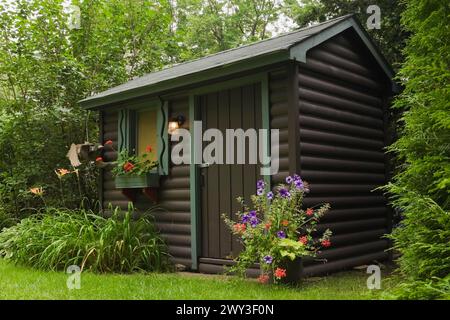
{"x":421,"y":189}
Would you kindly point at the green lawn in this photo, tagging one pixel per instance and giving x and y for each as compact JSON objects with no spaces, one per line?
{"x":24,"y":283}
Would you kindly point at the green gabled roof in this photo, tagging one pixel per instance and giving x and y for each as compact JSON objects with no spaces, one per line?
{"x":289,"y":46}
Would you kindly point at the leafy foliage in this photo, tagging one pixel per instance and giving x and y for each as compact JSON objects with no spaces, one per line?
{"x":130,"y":164}
{"x":205,"y":27}
{"x":421,"y":189}
{"x":46,"y":67}
{"x":58,"y":238}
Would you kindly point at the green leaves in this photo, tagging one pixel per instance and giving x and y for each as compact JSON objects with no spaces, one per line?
{"x":291,"y":249}
{"x":59,"y":238}
{"x":421,"y":186}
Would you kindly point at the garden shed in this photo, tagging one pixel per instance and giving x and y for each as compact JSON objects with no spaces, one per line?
{"x":325,"y":87}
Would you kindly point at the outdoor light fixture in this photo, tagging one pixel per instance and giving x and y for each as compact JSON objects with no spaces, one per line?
{"x":176,"y":123}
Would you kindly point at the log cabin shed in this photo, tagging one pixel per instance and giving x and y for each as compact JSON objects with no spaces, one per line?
{"x":325,"y":87}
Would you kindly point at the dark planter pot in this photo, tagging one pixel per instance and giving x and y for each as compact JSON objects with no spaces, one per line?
{"x":148,"y":180}
{"x":294,"y":269}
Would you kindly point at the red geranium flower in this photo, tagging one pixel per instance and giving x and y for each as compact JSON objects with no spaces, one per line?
{"x":309,"y":212}
{"x":148,"y":149}
{"x":99,"y":159}
{"x":264,"y":278}
{"x":284,"y":223}
{"x":280,"y":273}
{"x":326,"y":243}
{"x":303,"y":239}
{"x":128,"y":166}
{"x":239,"y":227}
{"x":268,"y":225}
{"x":108,"y":142}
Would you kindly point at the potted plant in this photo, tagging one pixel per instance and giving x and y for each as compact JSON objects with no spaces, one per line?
{"x":276,"y":232}
{"x":136,"y":171}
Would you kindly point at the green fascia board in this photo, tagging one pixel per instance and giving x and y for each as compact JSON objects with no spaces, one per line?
{"x":188,"y":80}
{"x":298,"y":52}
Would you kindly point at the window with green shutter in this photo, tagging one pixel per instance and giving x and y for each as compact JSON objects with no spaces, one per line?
{"x":142,"y":126}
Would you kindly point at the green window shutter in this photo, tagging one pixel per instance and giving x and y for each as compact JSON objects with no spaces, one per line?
{"x":163,"y":138}
{"x":127,"y":130}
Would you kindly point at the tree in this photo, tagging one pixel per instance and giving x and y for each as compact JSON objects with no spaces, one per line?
{"x":421,"y":189}
{"x":46,"y":67}
{"x":205,"y":27}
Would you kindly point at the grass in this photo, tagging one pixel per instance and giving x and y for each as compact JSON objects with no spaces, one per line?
{"x":26,"y":283}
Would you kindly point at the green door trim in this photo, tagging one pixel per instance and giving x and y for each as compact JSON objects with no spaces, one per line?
{"x":194,"y":191}
{"x":194,"y":179}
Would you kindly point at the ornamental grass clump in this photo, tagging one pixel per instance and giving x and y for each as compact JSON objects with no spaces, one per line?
{"x":275,"y":229}
{"x":58,"y":238}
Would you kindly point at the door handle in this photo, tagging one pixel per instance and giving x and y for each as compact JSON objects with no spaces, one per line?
{"x":204,"y":165}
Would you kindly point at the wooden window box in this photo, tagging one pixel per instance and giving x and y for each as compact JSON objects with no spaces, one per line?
{"x":148,"y":180}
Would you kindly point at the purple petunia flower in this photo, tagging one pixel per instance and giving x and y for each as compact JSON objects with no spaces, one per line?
{"x":268,"y":259}
{"x":254,"y":222}
{"x":299,"y":184}
{"x":245,"y":218}
{"x":297,"y":177}
{"x":270,"y":195}
{"x":289,"y":179}
{"x":281,"y":234}
{"x":284,"y":193}
{"x":260,"y":184}
{"x":260,"y":192}
{"x":252,"y":213}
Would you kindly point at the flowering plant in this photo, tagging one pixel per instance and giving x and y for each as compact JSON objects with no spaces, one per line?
{"x":276,"y":229}
{"x":129,"y":164}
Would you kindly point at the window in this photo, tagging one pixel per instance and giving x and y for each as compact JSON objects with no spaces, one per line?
{"x":147,"y":134}
{"x":145,"y":125}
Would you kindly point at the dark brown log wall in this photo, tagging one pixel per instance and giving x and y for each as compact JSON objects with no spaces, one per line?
{"x":278,"y":97}
{"x":173,"y":217}
{"x":341,"y":103}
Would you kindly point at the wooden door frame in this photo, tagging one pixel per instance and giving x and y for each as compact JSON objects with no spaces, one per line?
{"x":194,"y":172}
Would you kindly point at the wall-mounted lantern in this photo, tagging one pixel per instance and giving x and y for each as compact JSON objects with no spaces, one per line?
{"x":176,"y":123}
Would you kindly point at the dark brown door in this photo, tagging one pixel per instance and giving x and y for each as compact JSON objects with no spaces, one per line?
{"x":222,"y":183}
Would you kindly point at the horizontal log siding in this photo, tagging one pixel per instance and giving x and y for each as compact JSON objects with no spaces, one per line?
{"x":341,"y":146}
{"x":173,"y":217}
{"x":278,"y":98}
